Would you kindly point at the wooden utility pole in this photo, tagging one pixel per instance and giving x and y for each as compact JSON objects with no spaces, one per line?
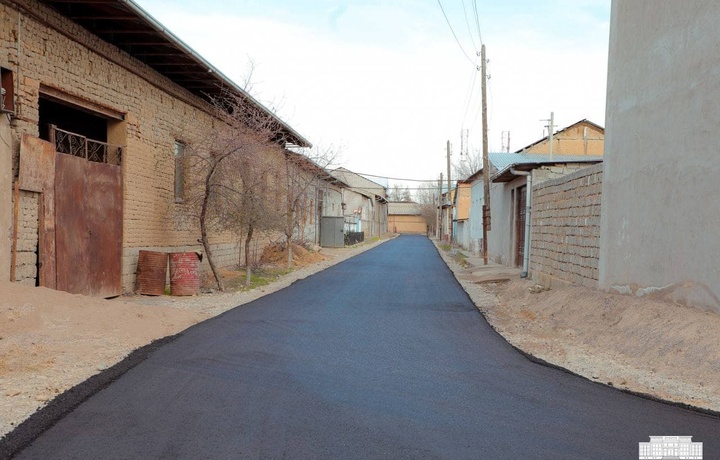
{"x":486,"y":162}
{"x":550,"y":132}
{"x":450,"y":220}
{"x":440,"y":216}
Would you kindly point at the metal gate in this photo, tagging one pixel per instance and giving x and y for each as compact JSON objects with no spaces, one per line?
{"x":520,"y":224}
{"x":88,"y":213}
{"x":332,"y":232}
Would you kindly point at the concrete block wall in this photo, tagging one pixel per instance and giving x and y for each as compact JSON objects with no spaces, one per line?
{"x":565,"y":241}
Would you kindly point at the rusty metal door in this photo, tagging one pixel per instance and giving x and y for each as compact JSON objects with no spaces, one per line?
{"x":88,"y":213}
{"x":520,"y":224}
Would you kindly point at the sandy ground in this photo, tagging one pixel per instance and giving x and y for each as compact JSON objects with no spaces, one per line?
{"x":50,"y":341}
{"x":647,"y":346}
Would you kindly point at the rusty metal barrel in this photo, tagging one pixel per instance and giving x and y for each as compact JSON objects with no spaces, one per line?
{"x":151,"y":273}
{"x":184,"y":273}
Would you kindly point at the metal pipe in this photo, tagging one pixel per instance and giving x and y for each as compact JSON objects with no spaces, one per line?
{"x":528,"y":220}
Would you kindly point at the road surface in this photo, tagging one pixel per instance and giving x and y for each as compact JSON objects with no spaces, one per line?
{"x":382,"y":356}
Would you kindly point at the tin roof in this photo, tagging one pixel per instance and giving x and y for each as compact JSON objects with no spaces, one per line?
{"x":403,"y":209}
{"x":361,"y":184}
{"x":532,"y":161}
{"x":127,"y":26}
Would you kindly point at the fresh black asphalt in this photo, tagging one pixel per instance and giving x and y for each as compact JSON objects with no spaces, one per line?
{"x":381,"y":356}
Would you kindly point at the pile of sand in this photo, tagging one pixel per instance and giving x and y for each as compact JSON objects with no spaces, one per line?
{"x":649,"y":346}
{"x":276,"y":255}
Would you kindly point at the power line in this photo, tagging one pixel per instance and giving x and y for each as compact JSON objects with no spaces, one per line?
{"x":471,"y":91}
{"x":467,"y":23}
{"x":393,"y":178}
{"x":477,"y":21}
{"x":454,"y":35}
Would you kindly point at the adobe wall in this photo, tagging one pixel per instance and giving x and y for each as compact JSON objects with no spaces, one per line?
{"x":57,"y":53}
{"x":565,"y":241}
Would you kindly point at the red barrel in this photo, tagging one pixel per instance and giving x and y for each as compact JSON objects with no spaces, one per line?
{"x":184,"y":273}
{"x":151,"y":273}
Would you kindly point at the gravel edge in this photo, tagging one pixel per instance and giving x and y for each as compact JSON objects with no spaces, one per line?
{"x":480,"y":297}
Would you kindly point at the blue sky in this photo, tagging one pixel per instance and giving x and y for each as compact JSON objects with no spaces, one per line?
{"x":386,"y":80}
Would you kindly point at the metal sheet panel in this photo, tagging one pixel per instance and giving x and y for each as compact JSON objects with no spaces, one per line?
{"x":331,"y":232}
{"x":88,"y":206}
{"x":104,"y":210}
{"x":71,"y":230}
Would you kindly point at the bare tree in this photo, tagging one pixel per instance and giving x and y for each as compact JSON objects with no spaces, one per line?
{"x":427,"y":198}
{"x":219,"y":192}
{"x":304,"y":173}
{"x":249,"y":205}
{"x":468,"y":165}
{"x":400,"y":194}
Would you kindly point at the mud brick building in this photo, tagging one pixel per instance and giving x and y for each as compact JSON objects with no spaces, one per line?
{"x":100,"y":102}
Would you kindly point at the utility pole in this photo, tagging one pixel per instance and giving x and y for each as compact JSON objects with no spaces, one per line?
{"x":450,"y":221}
{"x":439,"y":215}
{"x":551,"y":128}
{"x":486,"y":162}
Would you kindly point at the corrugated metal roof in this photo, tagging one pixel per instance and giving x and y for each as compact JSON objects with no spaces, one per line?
{"x":127,"y":26}
{"x":403,"y":209}
{"x":530,"y":161}
{"x":361,"y":184}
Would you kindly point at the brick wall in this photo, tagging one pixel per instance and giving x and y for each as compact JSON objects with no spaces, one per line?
{"x":57,"y":53}
{"x":566,"y":228}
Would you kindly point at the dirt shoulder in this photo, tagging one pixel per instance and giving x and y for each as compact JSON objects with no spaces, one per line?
{"x":51,"y":341}
{"x":642,"y":345}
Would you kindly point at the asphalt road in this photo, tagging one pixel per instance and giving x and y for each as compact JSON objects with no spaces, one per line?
{"x":382,"y":356}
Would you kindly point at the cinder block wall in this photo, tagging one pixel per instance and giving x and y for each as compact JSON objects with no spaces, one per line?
{"x":565,"y":241}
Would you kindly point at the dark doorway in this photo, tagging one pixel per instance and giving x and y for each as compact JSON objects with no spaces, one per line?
{"x":71,"y":119}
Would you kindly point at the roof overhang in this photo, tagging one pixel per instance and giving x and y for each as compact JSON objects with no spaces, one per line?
{"x":310,"y":166}
{"x":127,"y":26}
{"x":507,"y":175}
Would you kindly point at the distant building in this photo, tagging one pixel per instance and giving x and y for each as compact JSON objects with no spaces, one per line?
{"x":406,"y":217}
{"x":581,"y":138}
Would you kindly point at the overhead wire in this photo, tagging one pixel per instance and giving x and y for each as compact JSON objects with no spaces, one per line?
{"x":477,"y":21}
{"x":467,"y":23}
{"x":453,"y":32}
{"x":394,"y":178}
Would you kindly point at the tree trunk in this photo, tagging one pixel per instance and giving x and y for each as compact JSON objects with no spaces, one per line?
{"x":288,"y":235}
{"x":248,"y":269}
{"x":203,"y":229}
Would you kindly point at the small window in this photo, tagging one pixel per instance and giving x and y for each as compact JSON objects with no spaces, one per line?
{"x":7,"y":99}
{"x":179,"y":154}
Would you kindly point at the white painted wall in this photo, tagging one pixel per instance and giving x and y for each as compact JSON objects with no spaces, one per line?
{"x":660,"y":206}
{"x":477,"y":191}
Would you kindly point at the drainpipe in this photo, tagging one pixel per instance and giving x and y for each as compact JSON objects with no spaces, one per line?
{"x":528,"y":220}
